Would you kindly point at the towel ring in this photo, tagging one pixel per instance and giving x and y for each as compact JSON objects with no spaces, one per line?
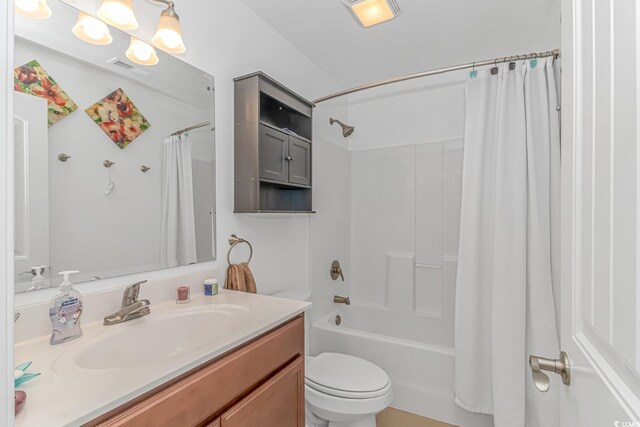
{"x":233,"y":241}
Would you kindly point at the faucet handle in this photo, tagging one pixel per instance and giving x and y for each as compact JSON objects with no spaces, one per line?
{"x":131,"y":293}
{"x":336,"y":270}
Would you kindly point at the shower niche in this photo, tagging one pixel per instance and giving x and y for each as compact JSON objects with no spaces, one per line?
{"x":272,"y":147}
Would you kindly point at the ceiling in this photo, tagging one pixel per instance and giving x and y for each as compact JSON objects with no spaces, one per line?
{"x":428,"y":34}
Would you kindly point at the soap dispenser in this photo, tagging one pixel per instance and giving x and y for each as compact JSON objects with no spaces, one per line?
{"x":65,"y":312}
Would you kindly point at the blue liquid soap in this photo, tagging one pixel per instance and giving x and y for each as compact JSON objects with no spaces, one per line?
{"x":65,"y":312}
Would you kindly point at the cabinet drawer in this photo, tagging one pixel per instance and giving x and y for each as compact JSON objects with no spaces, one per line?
{"x":200,"y":395}
{"x":277,"y":403}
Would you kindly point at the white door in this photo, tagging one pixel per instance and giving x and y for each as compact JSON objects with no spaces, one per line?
{"x":31,"y":209}
{"x":600,"y":319}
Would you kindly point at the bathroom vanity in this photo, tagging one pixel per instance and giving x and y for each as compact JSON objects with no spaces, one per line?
{"x":234,"y":359}
{"x":261,"y":383}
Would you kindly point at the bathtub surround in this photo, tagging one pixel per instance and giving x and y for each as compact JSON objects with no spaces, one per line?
{"x":505,"y":306}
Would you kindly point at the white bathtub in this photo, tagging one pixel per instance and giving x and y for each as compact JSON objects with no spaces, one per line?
{"x":421,"y":374}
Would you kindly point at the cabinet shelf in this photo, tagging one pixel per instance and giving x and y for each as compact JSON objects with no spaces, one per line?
{"x":272,"y":146}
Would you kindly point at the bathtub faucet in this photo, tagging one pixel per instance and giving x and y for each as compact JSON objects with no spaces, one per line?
{"x":341,"y":300}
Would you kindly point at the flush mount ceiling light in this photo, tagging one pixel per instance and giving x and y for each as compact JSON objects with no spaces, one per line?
{"x":168,"y":36}
{"x":373,"y":12}
{"x":141,"y":53}
{"x":118,"y":13}
{"x":91,"y":30}
{"x":35,"y":9}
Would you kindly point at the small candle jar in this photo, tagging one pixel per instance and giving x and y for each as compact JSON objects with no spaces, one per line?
{"x":211,"y":287}
{"x":183,"y":294}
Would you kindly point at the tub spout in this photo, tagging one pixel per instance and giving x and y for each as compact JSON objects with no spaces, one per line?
{"x":341,"y":300}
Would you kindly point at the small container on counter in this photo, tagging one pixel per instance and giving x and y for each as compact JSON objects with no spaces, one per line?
{"x":211,"y":287}
{"x":183,"y":294}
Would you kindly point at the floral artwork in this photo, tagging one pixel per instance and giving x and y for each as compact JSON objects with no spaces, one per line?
{"x":119,"y":118}
{"x":32,"y":79}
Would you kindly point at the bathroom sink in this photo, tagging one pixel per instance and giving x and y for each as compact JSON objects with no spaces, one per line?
{"x":155,"y":338}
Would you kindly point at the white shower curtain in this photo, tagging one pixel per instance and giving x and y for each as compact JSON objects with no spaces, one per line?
{"x":507,"y":260}
{"x":178,"y":231}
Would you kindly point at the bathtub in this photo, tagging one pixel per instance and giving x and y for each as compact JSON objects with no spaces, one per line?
{"x":422,"y":374}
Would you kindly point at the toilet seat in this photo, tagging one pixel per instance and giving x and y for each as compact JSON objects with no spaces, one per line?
{"x":347,"y":377}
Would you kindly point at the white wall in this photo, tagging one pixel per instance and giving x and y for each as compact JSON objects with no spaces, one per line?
{"x":331,"y":225}
{"x":406,"y":175}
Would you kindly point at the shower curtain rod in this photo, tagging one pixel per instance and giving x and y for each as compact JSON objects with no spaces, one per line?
{"x":555,"y":53}
{"x":199,"y":125}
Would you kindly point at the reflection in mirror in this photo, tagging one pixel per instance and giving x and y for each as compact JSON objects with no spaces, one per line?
{"x":114,"y":161}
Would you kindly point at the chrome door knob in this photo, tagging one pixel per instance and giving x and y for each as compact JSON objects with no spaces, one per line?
{"x":559,"y":366}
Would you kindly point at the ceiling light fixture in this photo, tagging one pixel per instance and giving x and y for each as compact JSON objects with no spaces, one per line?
{"x":35,"y":9}
{"x":118,"y":13}
{"x":91,"y":30}
{"x":168,"y":36}
{"x":141,"y":53}
{"x":373,"y":12}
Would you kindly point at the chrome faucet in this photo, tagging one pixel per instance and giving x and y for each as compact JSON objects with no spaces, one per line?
{"x":341,"y":300}
{"x":131,"y":307}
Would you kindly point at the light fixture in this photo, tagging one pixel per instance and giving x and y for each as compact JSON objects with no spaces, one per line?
{"x":118,"y":13}
{"x":141,"y":53}
{"x":35,"y":9}
{"x":372,"y":12}
{"x":91,"y":30}
{"x":168,"y":36}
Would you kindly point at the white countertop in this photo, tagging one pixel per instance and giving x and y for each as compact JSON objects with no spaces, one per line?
{"x":71,"y":396}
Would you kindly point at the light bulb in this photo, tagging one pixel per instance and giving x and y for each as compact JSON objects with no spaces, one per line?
{"x":34,"y":9}
{"x":141,"y":52}
{"x":170,"y":38}
{"x":94,"y":28}
{"x":27,"y":5}
{"x":91,"y":30}
{"x":118,"y":13}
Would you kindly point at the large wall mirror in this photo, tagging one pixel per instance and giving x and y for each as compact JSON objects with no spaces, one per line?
{"x":114,"y":160}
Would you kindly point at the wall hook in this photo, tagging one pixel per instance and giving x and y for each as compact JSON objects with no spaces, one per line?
{"x":63,"y":157}
{"x":108,"y":163}
{"x":145,"y":169}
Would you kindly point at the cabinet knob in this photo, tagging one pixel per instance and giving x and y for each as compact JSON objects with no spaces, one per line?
{"x":289,"y":158}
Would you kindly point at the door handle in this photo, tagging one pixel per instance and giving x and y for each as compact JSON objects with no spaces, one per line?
{"x":289,"y":158}
{"x":559,"y":366}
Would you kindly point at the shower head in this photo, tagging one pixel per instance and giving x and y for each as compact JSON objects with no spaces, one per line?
{"x":346,"y":129}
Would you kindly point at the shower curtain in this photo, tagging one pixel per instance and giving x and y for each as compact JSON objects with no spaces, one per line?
{"x":178,"y":231}
{"x":508,"y":261}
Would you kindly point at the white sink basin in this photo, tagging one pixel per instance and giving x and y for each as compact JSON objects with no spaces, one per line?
{"x":152,"y":338}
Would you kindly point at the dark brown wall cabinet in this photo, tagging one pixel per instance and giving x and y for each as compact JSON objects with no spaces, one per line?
{"x":273,"y":148}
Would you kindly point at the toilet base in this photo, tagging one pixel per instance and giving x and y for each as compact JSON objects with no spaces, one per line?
{"x":369,"y":421}
{"x":312,"y":420}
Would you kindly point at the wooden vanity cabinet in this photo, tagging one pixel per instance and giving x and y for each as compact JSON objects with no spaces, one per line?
{"x":259,"y":384}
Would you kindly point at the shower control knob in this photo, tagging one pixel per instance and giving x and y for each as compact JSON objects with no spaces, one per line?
{"x":336,"y":271}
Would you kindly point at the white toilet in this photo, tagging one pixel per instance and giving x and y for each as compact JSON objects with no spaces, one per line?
{"x":344,"y":391}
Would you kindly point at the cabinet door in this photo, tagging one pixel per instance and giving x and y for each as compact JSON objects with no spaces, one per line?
{"x":299,"y":161}
{"x":277,"y":403}
{"x":274,"y":146}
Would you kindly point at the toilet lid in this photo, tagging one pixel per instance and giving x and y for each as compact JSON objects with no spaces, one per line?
{"x":346,"y":376}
